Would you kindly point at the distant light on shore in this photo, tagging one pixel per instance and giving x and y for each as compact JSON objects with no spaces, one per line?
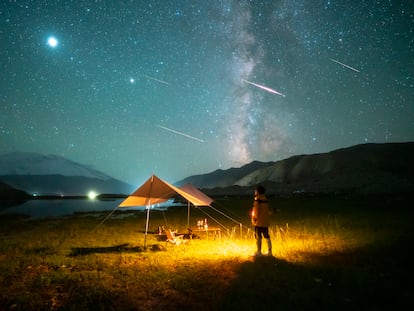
{"x":92,"y":195}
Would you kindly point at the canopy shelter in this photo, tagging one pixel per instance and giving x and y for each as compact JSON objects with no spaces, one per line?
{"x":197,"y":196}
{"x":155,"y":190}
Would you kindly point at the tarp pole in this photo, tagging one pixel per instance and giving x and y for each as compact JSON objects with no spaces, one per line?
{"x":148,"y":211}
{"x":147,"y":224}
{"x":188,"y":214}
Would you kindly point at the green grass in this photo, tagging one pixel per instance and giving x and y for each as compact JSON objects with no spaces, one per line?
{"x":330,"y":253}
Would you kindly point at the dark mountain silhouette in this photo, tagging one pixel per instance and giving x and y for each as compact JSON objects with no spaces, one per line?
{"x":9,"y":193}
{"x":54,"y":175}
{"x":10,"y":196}
{"x":65,"y":185}
{"x":224,"y":178}
{"x":363,"y":169}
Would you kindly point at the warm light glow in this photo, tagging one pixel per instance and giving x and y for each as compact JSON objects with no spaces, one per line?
{"x":288,"y":245}
{"x":92,"y":195}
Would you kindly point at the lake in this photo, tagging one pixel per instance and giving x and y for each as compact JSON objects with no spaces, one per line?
{"x":58,"y":208}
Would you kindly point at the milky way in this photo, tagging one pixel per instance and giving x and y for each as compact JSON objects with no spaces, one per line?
{"x":159,"y":87}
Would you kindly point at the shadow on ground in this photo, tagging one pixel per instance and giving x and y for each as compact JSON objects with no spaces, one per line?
{"x":122,"y":248}
{"x":364,"y":279}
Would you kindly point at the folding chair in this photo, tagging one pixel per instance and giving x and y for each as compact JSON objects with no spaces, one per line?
{"x":174,"y":239}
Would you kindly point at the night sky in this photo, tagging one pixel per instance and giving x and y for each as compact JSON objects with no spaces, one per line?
{"x":178,"y":88}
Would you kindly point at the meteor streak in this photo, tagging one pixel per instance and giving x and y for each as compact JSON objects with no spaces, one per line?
{"x":180,"y":133}
{"x":268,"y":89}
{"x":155,"y":79}
{"x":345,"y":65}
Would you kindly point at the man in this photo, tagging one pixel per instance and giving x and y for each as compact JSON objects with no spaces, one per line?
{"x":260,"y":220}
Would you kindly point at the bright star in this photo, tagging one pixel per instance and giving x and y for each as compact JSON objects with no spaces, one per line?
{"x":52,"y":42}
{"x":131,"y":80}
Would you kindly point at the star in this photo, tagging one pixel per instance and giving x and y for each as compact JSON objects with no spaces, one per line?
{"x":52,"y":42}
{"x":213,"y":76}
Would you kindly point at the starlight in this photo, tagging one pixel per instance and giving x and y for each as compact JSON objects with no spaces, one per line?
{"x":52,"y":42}
{"x":109,"y":78}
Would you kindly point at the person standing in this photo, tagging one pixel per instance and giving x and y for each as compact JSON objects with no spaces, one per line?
{"x":260,"y":218}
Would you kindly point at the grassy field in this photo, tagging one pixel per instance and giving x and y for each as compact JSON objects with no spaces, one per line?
{"x":330,"y":254}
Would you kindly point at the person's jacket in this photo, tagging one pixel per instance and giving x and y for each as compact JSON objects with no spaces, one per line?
{"x":261,"y":211}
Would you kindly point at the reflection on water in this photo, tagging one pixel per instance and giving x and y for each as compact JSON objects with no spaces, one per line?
{"x":56,"y":208}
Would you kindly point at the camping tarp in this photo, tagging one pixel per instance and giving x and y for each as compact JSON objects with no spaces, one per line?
{"x":197,"y":197}
{"x":155,"y":190}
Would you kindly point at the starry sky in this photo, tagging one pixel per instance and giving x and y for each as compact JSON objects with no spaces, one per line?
{"x":180,"y":88}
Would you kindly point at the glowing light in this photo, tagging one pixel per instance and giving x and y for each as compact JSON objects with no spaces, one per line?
{"x":92,"y":195}
{"x":132,"y":80}
{"x":52,"y":42}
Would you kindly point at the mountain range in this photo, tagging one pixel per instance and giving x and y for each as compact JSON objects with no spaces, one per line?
{"x":41,"y":174}
{"x":361,"y":169}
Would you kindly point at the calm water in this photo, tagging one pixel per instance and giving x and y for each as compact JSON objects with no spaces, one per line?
{"x":58,"y":208}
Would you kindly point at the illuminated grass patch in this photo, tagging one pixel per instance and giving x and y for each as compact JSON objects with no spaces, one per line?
{"x":328,"y":252}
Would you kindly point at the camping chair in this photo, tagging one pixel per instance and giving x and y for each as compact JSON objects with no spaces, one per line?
{"x":174,"y":239}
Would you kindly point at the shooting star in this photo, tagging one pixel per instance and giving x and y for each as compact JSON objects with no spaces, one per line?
{"x":155,"y":79}
{"x":268,"y":89}
{"x":345,"y":65}
{"x":180,"y":133}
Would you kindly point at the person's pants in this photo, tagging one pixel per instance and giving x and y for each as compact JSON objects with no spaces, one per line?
{"x":261,"y":231}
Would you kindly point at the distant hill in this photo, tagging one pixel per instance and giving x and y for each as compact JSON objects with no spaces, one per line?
{"x":10,"y":196}
{"x":364,"y":169}
{"x":9,"y":193}
{"x":55,"y":175}
{"x":224,"y":178}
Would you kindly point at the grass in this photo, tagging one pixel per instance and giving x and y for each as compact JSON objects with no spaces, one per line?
{"x":330,"y":253}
